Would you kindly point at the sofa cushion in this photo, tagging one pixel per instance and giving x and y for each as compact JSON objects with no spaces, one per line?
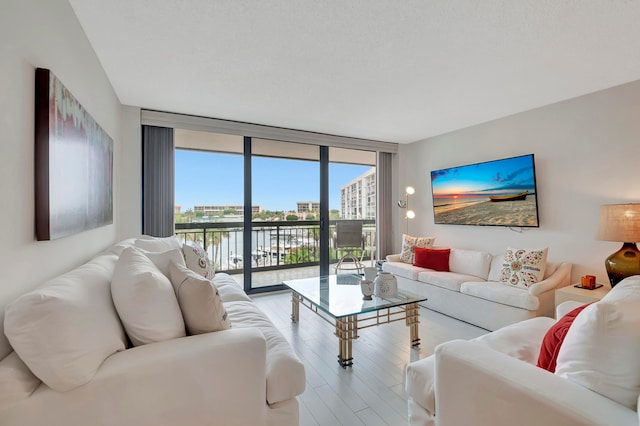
{"x":521,"y":340}
{"x":65,"y":329}
{"x":409,"y":242}
{"x":162,"y":259}
{"x":470,"y":262}
{"x":500,"y":293}
{"x":436,"y":259}
{"x":199,"y":301}
{"x":552,"y":341}
{"x":229,"y":289}
{"x":118,"y":247}
{"x":495,"y":270}
{"x":16,"y":380}
{"x":158,"y":244}
{"x":285,"y":372}
{"x":602,"y":348}
{"x":145,"y":300}
{"x":197,"y":260}
{"x":523,"y":267}
{"x":448,"y":280}
{"x":402,"y":269}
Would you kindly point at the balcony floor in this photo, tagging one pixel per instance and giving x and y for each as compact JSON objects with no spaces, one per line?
{"x":267,"y":278}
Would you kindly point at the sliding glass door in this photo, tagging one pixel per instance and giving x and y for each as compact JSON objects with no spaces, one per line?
{"x":266,"y":211}
{"x":353,"y":198}
{"x":285,"y":226}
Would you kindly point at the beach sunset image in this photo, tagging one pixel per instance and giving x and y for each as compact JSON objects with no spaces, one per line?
{"x":501,"y":192}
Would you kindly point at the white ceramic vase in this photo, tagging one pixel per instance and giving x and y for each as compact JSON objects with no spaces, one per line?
{"x":386,"y":285}
{"x":367,"y":288}
{"x":370,"y":274}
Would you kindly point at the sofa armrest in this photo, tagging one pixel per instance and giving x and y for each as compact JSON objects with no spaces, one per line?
{"x":393,"y":258}
{"x":560,"y":278}
{"x":219,"y":375}
{"x":212,"y":378}
{"x":500,"y":390}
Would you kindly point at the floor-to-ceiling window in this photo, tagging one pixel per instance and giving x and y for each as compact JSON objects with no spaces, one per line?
{"x":353,"y":197}
{"x":285,"y":180}
{"x":209,"y":203}
{"x":266,"y":210}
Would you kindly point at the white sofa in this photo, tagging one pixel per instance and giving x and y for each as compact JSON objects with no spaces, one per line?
{"x":493,"y":380}
{"x":246,"y":375}
{"x":471,"y":291}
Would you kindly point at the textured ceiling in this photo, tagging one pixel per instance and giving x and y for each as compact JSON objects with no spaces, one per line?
{"x":392,"y":70}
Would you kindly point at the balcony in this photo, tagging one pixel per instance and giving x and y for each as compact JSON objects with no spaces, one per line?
{"x":280,"y":250}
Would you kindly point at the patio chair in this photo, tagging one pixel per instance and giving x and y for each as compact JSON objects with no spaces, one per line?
{"x":348,"y":238}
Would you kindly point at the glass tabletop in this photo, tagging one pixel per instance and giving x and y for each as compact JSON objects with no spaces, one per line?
{"x":340,"y":295}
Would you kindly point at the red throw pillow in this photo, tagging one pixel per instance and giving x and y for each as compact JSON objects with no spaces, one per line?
{"x":553,"y":340}
{"x":436,"y":259}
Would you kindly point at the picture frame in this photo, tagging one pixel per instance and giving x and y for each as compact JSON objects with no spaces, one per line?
{"x":73,"y":163}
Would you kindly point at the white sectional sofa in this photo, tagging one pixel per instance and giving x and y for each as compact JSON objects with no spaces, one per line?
{"x":493,"y":380}
{"x":472,"y":291}
{"x":245,"y":375}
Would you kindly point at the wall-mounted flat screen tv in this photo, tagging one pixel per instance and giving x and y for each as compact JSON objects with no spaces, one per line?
{"x":499,"y":193}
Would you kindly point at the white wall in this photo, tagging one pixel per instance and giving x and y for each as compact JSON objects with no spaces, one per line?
{"x":44,"y":33}
{"x":587,"y":153}
{"x":128,"y":210}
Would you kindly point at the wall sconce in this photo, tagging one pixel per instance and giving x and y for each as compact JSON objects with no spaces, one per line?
{"x":404,"y":204}
{"x":621,"y":223}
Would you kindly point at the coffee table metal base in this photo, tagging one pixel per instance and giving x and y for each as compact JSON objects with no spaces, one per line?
{"x":347,"y":327}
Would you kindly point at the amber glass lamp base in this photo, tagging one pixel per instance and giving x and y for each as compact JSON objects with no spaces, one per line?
{"x":623,"y":263}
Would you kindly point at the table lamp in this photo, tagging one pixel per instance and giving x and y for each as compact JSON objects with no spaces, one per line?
{"x":621,"y":222}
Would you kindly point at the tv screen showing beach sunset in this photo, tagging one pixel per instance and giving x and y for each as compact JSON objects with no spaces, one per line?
{"x":500,"y":193}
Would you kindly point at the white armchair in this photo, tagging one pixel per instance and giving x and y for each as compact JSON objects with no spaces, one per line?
{"x":493,"y":380}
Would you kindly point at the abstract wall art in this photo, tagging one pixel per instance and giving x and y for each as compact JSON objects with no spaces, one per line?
{"x":73,"y":163}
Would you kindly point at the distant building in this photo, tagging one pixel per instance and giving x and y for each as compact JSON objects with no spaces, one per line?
{"x":176,"y":209}
{"x":219,"y":210}
{"x":307,"y":209}
{"x":358,"y":197}
{"x":308,"y":206}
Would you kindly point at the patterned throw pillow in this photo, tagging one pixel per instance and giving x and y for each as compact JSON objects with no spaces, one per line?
{"x":197,"y":260}
{"x":199,"y":301}
{"x":521,"y":267}
{"x":409,"y":242}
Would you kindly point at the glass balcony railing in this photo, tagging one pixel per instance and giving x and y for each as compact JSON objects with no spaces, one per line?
{"x":274,"y":245}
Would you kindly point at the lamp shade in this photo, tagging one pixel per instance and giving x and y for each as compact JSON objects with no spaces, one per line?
{"x":619,"y":222}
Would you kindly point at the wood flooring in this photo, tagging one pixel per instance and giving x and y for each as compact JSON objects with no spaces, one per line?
{"x":372,"y":391}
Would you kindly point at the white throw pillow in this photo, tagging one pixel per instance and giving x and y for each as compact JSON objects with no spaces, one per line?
{"x":199,"y":300}
{"x":523,"y":267}
{"x":197,"y":260}
{"x":158,"y":244}
{"x":409,"y":242}
{"x":145,"y":300}
{"x":65,"y":329}
{"x":601,"y":350}
{"x":162,"y":259}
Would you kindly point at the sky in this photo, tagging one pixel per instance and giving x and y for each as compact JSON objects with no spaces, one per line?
{"x":490,"y":178}
{"x":203,"y":178}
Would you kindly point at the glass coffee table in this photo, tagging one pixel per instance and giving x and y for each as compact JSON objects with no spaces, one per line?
{"x":338,"y":300}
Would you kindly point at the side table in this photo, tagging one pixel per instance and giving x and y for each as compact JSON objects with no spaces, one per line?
{"x":580,"y":294}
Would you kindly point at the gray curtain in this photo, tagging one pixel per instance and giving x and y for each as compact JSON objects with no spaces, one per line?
{"x":385,"y":204}
{"x":157,"y":181}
